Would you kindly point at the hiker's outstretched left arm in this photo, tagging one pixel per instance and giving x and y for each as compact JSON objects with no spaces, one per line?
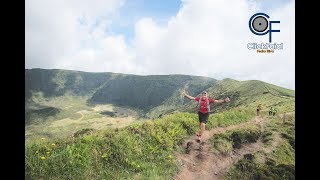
{"x":221,"y":101}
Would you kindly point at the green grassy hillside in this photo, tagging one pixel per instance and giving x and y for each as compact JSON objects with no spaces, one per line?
{"x":146,"y":92}
{"x":142,"y":150}
{"x":153,"y":95}
{"x":146,"y":150}
{"x":249,"y":94}
{"x":70,"y":98}
{"x":114,"y":126}
{"x":277,"y":159}
{"x":56,"y":82}
{"x":138,"y":92}
{"x":63,"y":116}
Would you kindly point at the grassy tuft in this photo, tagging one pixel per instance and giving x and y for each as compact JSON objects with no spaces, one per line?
{"x":142,"y":150}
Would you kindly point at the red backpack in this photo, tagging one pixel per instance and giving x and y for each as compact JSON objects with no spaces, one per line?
{"x":208,"y":104}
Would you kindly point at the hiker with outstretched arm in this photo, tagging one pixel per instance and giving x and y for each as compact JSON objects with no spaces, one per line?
{"x":204,"y":108}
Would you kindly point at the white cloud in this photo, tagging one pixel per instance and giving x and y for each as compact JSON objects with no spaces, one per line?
{"x":54,"y":32}
{"x":207,"y":37}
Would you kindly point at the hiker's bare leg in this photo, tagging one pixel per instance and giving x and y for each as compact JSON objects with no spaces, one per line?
{"x":199,"y":129}
{"x":203,"y":126}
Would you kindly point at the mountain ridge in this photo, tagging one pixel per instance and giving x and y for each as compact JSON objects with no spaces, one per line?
{"x":154,"y":95}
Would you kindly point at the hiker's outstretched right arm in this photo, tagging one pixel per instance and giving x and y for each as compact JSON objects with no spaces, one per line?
{"x":186,"y":95}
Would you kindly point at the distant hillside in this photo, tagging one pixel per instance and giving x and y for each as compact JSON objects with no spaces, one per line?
{"x":83,"y":125}
{"x":139,"y":92}
{"x":146,"y":92}
{"x":250,"y":94}
{"x":57,"y":82}
{"x":154,"y":95}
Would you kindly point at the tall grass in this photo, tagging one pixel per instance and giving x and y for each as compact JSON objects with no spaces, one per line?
{"x":224,"y":143}
{"x":279,"y":163}
{"x":141,"y":150}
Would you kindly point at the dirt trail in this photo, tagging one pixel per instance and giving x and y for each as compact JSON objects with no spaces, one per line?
{"x":82,"y":112}
{"x":204,"y":164}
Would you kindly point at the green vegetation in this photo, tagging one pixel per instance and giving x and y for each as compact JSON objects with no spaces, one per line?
{"x":62,"y":116}
{"x":83,"y":132}
{"x":117,"y":126}
{"x":284,"y":127}
{"x":224,"y":143}
{"x":250,"y":169}
{"x":142,"y":150}
{"x":143,"y":92}
{"x":231,"y":117}
{"x":109,"y":113}
{"x":154,"y":96}
{"x":56,"y":82}
{"x":248,"y":94}
{"x":279,"y":161}
{"x":60,"y":107}
{"x":147,"y":92}
{"x":37,"y":114}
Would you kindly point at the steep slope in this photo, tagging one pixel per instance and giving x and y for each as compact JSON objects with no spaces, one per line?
{"x":248,"y":94}
{"x":146,"y":92}
{"x":56,"y":82}
{"x":153,"y":95}
{"x":53,"y":94}
{"x":64,"y":100}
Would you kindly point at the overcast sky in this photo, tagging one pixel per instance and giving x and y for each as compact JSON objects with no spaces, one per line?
{"x":194,"y":37}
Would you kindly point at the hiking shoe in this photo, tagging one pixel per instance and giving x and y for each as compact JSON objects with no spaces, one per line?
{"x":199,"y":137}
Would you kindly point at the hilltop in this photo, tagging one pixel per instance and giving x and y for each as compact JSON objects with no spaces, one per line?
{"x":61,"y":102}
{"x":115,"y":126}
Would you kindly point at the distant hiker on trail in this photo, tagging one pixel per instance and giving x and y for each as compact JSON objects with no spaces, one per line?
{"x":274,"y":111}
{"x":204,"y":108}
{"x":259,"y":109}
{"x":270,"y":111}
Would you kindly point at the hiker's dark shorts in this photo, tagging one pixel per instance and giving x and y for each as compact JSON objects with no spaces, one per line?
{"x":203,"y":117}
